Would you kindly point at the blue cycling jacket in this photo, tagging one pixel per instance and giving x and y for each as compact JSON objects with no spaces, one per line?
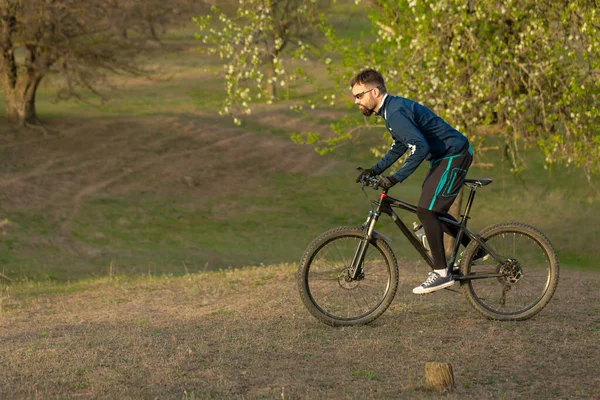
{"x":416,"y":128}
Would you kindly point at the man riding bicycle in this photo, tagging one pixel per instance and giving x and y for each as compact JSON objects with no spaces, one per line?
{"x":415,"y":128}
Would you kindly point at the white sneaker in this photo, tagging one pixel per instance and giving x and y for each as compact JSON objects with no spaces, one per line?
{"x":434,"y":282}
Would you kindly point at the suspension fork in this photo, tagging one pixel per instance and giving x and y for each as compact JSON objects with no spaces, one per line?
{"x":361,"y":250}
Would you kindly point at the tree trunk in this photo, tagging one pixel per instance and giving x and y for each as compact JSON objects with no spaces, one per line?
{"x":19,"y":101}
{"x":117,"y":14}
{"x":439,"y":377}
{"x":122,"y":34}
{"x":271,"y":85}
{"x":152,"y":32}
{"x":19,"y":84}
{"x":274,"y":53}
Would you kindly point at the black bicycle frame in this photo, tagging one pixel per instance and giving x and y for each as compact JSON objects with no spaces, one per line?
{"x":386,"y":204}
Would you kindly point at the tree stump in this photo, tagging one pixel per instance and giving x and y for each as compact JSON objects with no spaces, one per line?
{"x":439,"y":377}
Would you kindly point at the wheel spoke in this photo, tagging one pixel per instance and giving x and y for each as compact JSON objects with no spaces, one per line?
{"x":334,"y":293}
{"x":528,"y":270}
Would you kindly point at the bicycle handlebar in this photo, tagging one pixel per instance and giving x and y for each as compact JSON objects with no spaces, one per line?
{"x":370,"y":181}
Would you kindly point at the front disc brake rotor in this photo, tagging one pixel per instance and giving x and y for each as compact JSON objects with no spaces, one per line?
{"x":345,"y":279}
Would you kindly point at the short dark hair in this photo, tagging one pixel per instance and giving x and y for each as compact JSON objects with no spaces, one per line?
{"x":369,"y":77}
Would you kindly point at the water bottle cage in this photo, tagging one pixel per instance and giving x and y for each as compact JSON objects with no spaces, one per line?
{"x":420,"y":234}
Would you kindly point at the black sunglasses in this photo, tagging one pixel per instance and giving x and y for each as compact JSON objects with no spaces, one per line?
{"x":360,"y":95}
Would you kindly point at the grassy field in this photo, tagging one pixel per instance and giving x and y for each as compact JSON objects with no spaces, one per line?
{"x":148,"y":250}
{"x":245,"y":334}
{"x":156,"y":182}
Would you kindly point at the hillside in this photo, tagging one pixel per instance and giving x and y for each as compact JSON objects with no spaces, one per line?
{"x":148,"y":249}
{"x":102,"y":190}
{"x":155,"y":181}
{"x":245,"y":334}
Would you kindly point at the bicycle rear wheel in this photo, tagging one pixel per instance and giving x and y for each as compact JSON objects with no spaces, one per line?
{"x":531,"y":272}
{"x":326,"y":287}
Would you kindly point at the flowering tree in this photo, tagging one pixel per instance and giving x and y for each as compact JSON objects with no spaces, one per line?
{"x":529,"y":67}
{"x":252,"y":44}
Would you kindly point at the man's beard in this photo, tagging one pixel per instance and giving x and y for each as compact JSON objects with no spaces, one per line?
{"x":366,"y":111}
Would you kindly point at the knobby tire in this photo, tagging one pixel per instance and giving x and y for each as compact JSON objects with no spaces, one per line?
{"x":517,"y":296}
{"x":326,"y":292}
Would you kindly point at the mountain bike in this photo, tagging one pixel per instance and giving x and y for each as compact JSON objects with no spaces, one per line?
{"x":349,"y":275}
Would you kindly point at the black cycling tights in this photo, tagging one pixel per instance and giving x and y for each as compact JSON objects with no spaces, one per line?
{"x":434,"y":230}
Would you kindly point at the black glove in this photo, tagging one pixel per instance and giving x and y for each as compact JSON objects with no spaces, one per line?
{"x":386,"y":182}
{"x":365,"y":173}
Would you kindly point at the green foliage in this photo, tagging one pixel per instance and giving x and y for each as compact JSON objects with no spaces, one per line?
{"x":252,"y":44}
{"x":347,"y":128}
{"x":531,"y":67}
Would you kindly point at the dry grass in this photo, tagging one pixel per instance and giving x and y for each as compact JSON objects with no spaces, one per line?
{"x":186,"y":161}
{"x":97,"y":154}
{"x":245,"y":334}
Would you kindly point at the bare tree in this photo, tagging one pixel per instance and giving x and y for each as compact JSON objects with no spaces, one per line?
{"x":150,"y":18}
{"x":118,"y":13}
{"x":71,"y":38}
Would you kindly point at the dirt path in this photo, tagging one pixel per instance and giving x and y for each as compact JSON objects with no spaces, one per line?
{"x":163,"y":156}
{"x":245,"y":334}
{"x":159,"y":151}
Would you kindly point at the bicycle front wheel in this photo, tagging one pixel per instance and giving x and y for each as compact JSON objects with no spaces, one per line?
{"x":530,"y":272}
{"x":325,"y":280}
